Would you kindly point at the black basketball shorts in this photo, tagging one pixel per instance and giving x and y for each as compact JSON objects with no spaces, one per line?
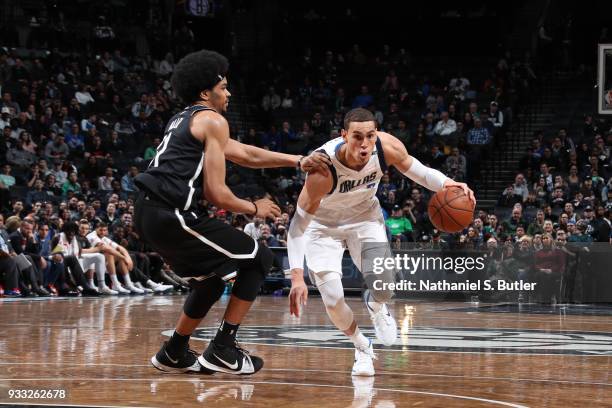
{"x":196,"y":248}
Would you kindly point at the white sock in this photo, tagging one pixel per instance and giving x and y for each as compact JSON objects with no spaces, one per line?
{"x":359,"y":340}
{"x":100,"y":274}
{"x":115,"y":281}
{"x":128,"y":281}
{"x":91,"y":283}
{"x":151,"y":283}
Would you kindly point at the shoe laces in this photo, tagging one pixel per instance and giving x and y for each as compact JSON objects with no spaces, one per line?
{"x":240,"y":348}
{"x":368,"y":351}
{"x":382,"y":316}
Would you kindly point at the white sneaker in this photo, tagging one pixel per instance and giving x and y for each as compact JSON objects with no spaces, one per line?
{"x":364,"y":364}
{"x":105,"y":290}
{"x":121,"y":289}
{"x":162,"y":288}
{"x":384,"y":324}
{"x":134,"y":289}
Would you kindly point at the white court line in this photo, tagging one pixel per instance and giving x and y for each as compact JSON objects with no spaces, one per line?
{"x":390,"y":373}
{"x":435,"y":394}
{"x":71,"y":405}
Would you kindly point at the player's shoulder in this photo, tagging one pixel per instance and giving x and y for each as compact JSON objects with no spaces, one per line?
{"x":388,"y":141}
{"x":208,"y":118}
{"x":393,"y":148}
{"x":330,"y":146}
{"x":207,"y":122}
{"x":387,"y":138}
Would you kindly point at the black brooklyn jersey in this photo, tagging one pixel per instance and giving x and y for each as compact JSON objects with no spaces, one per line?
{"x":175,"y":173}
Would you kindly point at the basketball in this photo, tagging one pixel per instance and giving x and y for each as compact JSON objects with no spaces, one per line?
{"x":450,"y":210}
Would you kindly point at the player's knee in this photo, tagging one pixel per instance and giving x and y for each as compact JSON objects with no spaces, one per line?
{"x":252,"y":274}
{"x":264,"y":259}
{"x":202,"y":297}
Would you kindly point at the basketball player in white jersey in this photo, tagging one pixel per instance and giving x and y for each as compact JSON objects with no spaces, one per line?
{"x":341,"y":208}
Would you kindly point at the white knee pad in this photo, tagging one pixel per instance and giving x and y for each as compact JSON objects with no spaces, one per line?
{"x":338,"y":311}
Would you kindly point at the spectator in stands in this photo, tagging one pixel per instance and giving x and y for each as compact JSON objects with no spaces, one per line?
{"x":151,"y":151}
{"x":37,"y":193}
{"x":558,"y":199}
{"x":402,"y":132}
{"x":537,"y":226}
{"x":127,"y":181}
{"x":266,"y":238}
{"x":271,"y":100}
{"x":521,"y":188}
{"x":318,"y":126}
{"x":75,"y":139}
{"x":71,"y":185}
{"x":578,"y":233}
{"x":287,"y":100}
{"x":399,"y":226}
{"x":27,"y":142}
{"x":364,"y":99}
{"x":89,"y":123}
{"x":20,"y":158}
{"x":496,"y":117}
{"x":478,"y":136}
{"x":105,"y":181}
{"x":600,"y":227}
{"x":56,"y":148}
{"x":508,"y":197}
{"x":445,"y":126}
{"x":549,"y":267}
{"x":514,"y":221}
{"x":142,"y":106}
{"x":253,"y":229}
{"x":568,"y":209}
{"x":7,"y":180}
{"x":435,"y":158}
{"x":83,"y":95}
{"x":547,"y":176}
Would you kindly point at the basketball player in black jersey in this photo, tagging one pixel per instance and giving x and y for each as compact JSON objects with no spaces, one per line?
{"x":206,"y":252}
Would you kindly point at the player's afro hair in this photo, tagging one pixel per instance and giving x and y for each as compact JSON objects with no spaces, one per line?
{"x":197,"y":72}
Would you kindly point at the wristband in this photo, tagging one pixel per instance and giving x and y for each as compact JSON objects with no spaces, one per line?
{"x":256,"y":209}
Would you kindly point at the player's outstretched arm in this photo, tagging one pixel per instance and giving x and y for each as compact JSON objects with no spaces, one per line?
{"x":257,"y":158}
{"x":316,"y":187}
{"x":214,"y":131}
{"x":397,"y":156}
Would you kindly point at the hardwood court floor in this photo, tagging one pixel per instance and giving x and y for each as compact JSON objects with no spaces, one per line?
{"x":449,"y":355}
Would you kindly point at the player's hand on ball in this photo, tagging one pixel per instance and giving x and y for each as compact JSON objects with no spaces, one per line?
{"x":316,"y":161}
{"x":267,"y":208}
{"x":297,"y":297}
{"x":468,"y":191}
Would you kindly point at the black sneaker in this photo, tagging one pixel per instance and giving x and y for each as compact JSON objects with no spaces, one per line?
{"x":186,"y":363}
{"x":230,"y":359}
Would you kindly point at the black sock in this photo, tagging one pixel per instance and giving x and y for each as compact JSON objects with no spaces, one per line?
{"x":178,"y":343}
{"x":226,"y":335}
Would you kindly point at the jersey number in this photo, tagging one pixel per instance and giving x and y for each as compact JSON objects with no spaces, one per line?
{"x":164,"y":144}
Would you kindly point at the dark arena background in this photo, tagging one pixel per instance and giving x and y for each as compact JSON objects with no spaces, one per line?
{"x":513,"y":98}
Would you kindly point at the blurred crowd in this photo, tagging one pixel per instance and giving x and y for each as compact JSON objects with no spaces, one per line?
{"x":77,"y":128}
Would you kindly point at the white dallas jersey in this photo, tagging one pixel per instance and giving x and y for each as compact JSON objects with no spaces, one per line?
{"x":352,"y":198}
